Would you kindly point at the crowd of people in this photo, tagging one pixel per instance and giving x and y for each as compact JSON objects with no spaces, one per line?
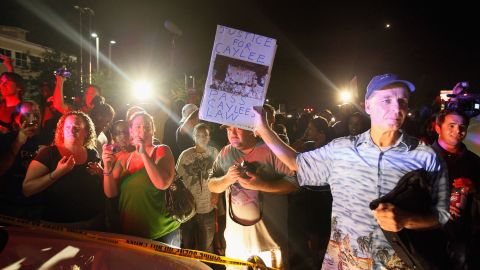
{"x":298,"y":193}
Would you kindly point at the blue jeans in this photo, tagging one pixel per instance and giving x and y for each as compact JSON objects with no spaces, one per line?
{"x":198,"y":232}
{"x":173,"y":239}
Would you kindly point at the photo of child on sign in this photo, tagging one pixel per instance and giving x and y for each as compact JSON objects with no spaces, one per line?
{"x":238,"y":77}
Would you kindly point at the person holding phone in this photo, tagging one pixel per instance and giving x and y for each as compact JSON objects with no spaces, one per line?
{"x":11,"y":87}
{"x":17,"y":150}
{"x":121,"y":137}
{"x":139,"y":180}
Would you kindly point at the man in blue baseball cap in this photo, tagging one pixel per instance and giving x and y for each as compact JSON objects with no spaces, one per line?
{"x":366,"y":167}
{"x":380,"y":81}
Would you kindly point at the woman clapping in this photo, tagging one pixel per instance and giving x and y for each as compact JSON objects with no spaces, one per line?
{"x":139,"y":180}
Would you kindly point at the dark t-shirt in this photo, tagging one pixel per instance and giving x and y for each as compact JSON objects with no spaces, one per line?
{"x":76,"y":196}
{"x":12,"y":180}
{"x":465,"y":230}
{"x":183,"y":142}
{"x":6,"y":115}
{"x":47,"y":133}
{"x":169,"y":132}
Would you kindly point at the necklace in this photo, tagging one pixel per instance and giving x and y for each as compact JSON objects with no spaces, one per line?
{"x":246,"y":154}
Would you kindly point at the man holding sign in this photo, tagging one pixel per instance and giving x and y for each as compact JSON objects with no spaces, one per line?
{"x":363,"y":168}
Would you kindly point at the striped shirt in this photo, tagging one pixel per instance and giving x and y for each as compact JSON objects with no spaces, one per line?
{"x":358,"y":172}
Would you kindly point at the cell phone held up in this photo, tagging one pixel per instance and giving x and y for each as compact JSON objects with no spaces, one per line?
{"x":30,"y":121}
{"x":62,"y":72}
{"x":32,"y":124}
{"x":115,"y":148}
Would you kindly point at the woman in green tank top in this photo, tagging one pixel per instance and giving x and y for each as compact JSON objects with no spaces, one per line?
{"x":139,"y":180}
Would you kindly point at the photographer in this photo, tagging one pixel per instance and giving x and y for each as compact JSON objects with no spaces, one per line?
{"x":363,"y":168}
{"x":11,"y":87}
{"x":254,"y":181}
{"x":59,"y":104}
{"x":463,"y":228}
{"x":139,"y":180}
{"x":17,"y":149}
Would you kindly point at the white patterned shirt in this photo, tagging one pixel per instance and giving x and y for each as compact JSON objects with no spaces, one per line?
{"x":194,"y":168}
{"x":359,"y":172}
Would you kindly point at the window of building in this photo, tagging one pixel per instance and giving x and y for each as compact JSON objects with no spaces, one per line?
{"x":34,"y":61}
{"x":21,"y":59}
{"x":6,"y":52}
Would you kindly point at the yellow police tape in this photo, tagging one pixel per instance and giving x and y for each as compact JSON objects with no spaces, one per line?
{"x":148,"y":246}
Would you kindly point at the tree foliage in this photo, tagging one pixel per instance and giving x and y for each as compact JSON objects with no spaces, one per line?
{"x":180,"y":93}
{"x":44,"y":67}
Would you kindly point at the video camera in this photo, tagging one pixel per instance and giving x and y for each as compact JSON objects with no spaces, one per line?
{"x":245,"y":167}
{"x":63,"y":72}
{"x":464,"y":101}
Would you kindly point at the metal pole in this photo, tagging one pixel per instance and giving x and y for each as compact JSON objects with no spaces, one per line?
{"x":112,"y":42}
{"x":172,"y":55}
{"x":97,"y":39}
{"x":109,"y":58}
{"x":80,"y":10}
{"x":89,"y":48}
{"x":186,"y":82}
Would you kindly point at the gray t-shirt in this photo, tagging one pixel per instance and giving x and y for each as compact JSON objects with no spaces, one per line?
{"x":270,"y":233}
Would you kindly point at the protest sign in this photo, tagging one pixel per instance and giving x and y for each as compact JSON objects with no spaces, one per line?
{"x":238,"y":77}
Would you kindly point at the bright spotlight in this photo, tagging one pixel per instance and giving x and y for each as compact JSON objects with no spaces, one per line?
{"x":142,"y":89}
{"x":94,"y":35}
{"x":346,"y":96}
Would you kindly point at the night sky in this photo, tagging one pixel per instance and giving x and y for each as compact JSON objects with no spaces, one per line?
{"x":434,"y":46}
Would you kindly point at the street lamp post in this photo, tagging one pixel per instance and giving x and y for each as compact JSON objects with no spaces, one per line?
{"x":176,"y":32}
{"x":193,"y":81}
{"x":80,"y":11}
{"x":97,"y":39}
{"x":97,"y":43}
{"x":187,"y":79}
{"x":112,"y":42}
{"x":90,"y":14}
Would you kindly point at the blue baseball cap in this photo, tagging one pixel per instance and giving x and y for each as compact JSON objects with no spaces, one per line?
{"x":380,"y":81}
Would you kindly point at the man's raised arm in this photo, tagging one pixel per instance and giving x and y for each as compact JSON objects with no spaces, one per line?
{"x":58,"y":102}
{"x":284,"y":152}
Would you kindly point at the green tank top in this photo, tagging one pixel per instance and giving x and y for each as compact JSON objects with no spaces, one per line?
{"x":142,"y":208}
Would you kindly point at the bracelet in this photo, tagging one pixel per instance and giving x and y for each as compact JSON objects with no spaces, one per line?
{"x":107,"y":173}
{"x":50,"y":176}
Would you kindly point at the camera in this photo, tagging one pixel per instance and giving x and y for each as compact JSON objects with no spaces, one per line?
{"x":32,"y":124}
{"x":465,"y":102}
{"x":63,"y":72}
{"x":30,"y":121}
{"x":115,"y":148}
{"x":245,"y":167}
